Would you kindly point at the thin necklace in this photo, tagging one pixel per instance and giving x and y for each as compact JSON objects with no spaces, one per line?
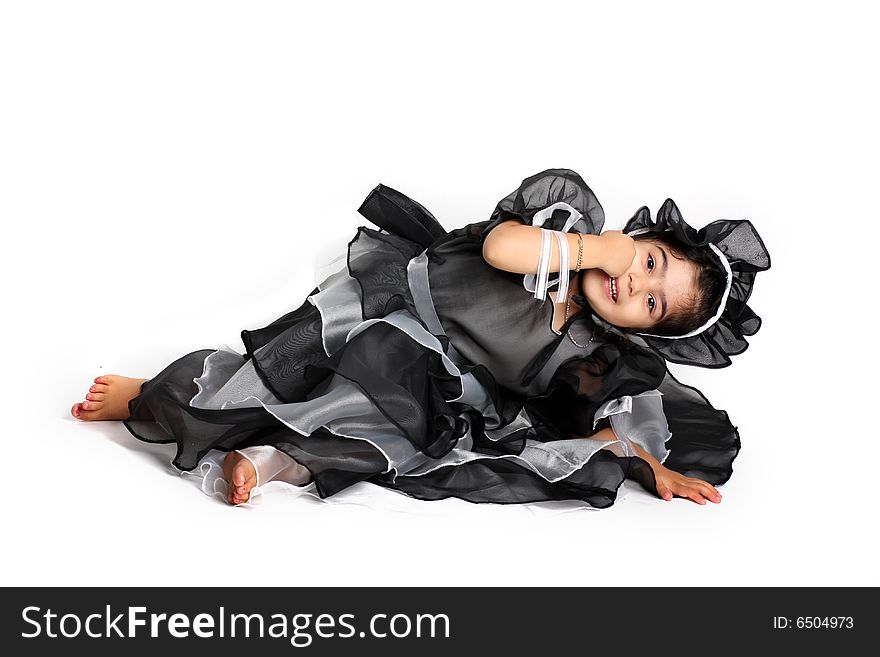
{"x":568,"y":333}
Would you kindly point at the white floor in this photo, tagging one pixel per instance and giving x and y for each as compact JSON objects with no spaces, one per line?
{"x":157,"y":200}
{"x":92,"y":505}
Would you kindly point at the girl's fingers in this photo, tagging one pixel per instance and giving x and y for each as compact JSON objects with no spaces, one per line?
{"x":702,"y":496}
{"x":695,"y":495}
{"x":697,"y":490}
{"x":709,"y":492}
{"x":703,"y":488}
{"x":692,"y":492}
{"x":686,"y":491}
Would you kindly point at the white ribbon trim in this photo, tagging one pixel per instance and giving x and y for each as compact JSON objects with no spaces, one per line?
{"x":538,"y":283}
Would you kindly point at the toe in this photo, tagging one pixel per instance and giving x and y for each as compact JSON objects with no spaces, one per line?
{"x":99,"y":387}
{"x":95,"y":396}
{"x":92,"y":405}
{"x":89,"y":415}
{"x":243,"y":475}
{"x":246,"y":488}
{"x":234,"y":496}
{"x":76,"y":410}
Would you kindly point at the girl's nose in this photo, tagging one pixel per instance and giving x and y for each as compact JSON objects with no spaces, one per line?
{"x":634,"y":283}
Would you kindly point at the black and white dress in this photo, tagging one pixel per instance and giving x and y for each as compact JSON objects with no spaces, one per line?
{"x":416,"y":366}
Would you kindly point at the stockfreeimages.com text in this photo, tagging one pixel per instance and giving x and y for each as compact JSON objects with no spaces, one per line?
{"x":136,"y":622}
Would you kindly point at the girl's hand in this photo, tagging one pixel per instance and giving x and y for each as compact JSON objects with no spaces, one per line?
{"x":670,"y":483}
{"x":618,"y":251}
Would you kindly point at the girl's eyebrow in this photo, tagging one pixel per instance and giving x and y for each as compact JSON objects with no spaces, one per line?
{"x":663,"y":270}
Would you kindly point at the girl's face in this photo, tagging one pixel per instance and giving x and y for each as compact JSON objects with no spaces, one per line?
{"x":655,"y":284}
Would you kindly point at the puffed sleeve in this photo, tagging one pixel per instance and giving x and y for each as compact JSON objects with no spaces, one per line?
{"x":583,"y":387}
{"x":557,"y":199}
{"x":633,"y":391}
{"x":704,"y":441}
{"x":672,"y":421}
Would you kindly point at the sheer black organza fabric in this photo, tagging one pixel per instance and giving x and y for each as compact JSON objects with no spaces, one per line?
{"x":408,"y":383}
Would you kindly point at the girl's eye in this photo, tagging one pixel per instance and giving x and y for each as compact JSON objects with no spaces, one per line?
{"x":651,"y":303}
{"x":651,"y":261}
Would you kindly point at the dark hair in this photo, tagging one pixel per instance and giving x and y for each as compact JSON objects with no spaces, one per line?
{"x":710,"y":280}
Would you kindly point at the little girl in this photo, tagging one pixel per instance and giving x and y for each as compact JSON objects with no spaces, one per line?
{"x":429,"y":362}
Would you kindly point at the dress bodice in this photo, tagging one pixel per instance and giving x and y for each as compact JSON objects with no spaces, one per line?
{"x":492,"y":320}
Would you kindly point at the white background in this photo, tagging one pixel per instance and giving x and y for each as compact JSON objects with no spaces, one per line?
{"x":172,"y":172}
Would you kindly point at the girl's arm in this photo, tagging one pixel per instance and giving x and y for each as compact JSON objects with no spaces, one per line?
{"x":669,"y":482}
{"x":516,"y":247}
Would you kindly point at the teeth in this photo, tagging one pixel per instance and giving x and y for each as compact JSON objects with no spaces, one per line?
{"x":613,"y":290}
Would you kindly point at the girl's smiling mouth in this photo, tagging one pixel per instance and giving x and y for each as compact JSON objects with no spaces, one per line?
{"x":610,"y":288}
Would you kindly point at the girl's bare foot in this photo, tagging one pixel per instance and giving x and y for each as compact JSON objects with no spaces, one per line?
{"x":240,"y":477}
{"x":108,"y":398}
